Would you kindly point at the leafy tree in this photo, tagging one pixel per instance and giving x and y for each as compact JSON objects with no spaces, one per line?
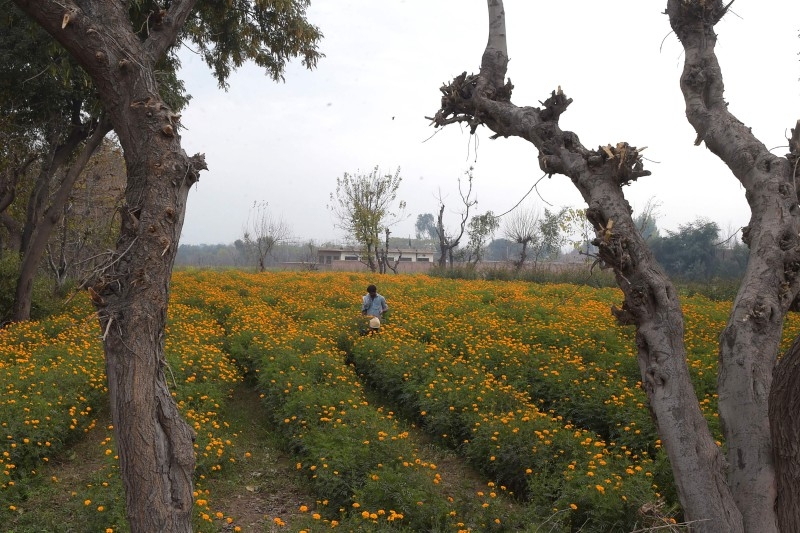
{"x":364,"y":205}
{"x":52,"y":114}
{"x":425,"y":226}
{"x":502,"y":249}
{"x":263,"y":232}
{"x":579,"y":226}
{"x":757,"y":487}
{"x":647,"y":221}
{"x":690,"y":251}
{"x":480,"y":231}
{"x":122,"y":47}
{"x":553,"y":230}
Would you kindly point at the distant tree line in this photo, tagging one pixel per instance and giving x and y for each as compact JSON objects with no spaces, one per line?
{"x":695,"y":252}
{"x":240,"y":254}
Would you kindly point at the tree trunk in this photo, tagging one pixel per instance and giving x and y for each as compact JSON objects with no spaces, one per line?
{"x":651,"y":302}
{"x":58,"y":156}
{"x":131,"y":291}
{"x":10,"y":179}
{"x":784,"y":415}
{"x":749,"y":344}
{"x":442,"y":238}
{"x":784,"y":409}
{"x":40,"y":228}
{"x":131,"y":295}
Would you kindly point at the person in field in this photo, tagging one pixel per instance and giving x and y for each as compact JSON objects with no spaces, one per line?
{"x":373,"y":305}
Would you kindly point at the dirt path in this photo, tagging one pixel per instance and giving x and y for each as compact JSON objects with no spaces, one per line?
{"x":266,"y":484}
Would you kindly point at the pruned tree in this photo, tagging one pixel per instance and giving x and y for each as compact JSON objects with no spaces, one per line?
{"x":122,"y":46}
{"x":448,"y":241}
{"x":384,"y":261}
{"x":752,"y":485}
{"x":364,"y":207}
{"x":309,"y":256}
{"x":522,"y":227}
{"x":262,"y":232}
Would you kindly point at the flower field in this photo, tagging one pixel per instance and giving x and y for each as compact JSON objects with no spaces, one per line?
{"x":533,"y":387}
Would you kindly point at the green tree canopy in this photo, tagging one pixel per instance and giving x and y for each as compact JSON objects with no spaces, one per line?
{"x":690,"y":251}
{"x":364,"y":206}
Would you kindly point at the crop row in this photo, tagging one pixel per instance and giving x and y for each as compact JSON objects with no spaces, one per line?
{"x":534,"y":387}
{"x":53,"y":389}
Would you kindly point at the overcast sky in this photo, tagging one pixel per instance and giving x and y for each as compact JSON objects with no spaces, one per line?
{"x":364,"y":106}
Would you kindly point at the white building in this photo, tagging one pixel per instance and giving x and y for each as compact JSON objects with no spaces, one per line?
{"x":408,"y":259}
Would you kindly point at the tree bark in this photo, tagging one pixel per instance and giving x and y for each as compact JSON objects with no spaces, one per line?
{"x":10,"y":178}
{"x":58,"y":156}
{"x":784,"y":409}
{"x":443,"y":244}
{"x":132,"y":290}
{"x":749,"y":344}
{"x":784,"y":415}
{"x":40,"y":228}
{"x":651,"y":302}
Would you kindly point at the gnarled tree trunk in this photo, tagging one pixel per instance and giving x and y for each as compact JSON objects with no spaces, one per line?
{"x":131,"y":291}
{"x":784,"y":415}
{"x":750,"y":342}
{"x":715,"y":496}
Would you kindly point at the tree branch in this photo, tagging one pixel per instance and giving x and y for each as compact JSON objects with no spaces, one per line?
{"x":169,"y":23}
{"x":651,"y":302}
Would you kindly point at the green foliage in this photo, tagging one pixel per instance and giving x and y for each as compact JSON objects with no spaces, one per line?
{"x":38,"y":79}
{"x":425,"y":227}
{"x":694,"y":253}
{"x":269,"y":33}
{"x":480,"y":230}
{"x":364,"y":206}
{"x":44,"y":302}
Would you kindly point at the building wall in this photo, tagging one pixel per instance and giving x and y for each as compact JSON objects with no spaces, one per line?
{"x":405,"y":267}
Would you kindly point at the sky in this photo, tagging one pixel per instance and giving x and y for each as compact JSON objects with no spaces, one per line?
{"x":365,"y":106}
